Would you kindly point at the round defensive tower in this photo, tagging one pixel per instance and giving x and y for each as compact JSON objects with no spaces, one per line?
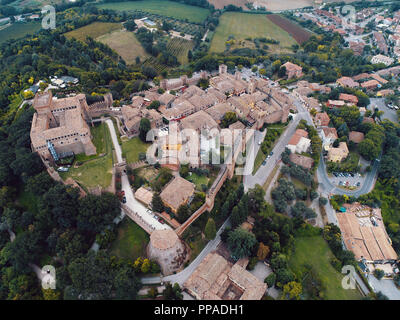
{"x":167,"y":249}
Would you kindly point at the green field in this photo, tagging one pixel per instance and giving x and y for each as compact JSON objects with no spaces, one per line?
{"x":161,"y":7}
{"x":125,"y":44}
{"x":315,"y":252}
{"x":131,"y":149}
{"x":246,"y":25}
{"x":96,"y":170}
{"x":93,"y":30}
{"x":131,"y":241}
{"x":19,"y":30}
{"x":198,"y":180}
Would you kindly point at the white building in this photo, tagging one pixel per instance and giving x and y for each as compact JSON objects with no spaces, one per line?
{"x":380,"y":58}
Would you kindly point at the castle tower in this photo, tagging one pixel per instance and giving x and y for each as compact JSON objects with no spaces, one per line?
{"x":252,"y":87}
{"x":238,"y":75}
{"x":223,"y":69}
{"x":42,"y":105}
{"x":167,"y":249}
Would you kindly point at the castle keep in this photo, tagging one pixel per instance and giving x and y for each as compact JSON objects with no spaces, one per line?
{"x":59,"y":127}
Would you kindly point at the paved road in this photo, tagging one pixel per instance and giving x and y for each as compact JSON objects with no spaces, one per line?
{"x":386,"y":286}
{"x":264,"y":171}
{"x":182,"y":276}
{"x":131,"y":202}
{"x":381,"y":105}
{"x":326,"y":186}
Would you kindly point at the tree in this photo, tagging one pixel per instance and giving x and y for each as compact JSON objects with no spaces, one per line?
{"x":183,"y":213}
{"x":262,"y":251}
{"x":322,"y":201}
{"x":379,"y":273}
{"x":229,"y":118}
{"x":210,"y":229}
{"x":270,"y":280}
{"x":97,"y":212}
{"x":172,"y":292}
{"x":241,"y":242}
{"x":144,"y":127}
{"x":292,"y":290}
{"x":145,"y":268}
{"x":130,"y":25}
{"x":282,"y":71}
{"x":156,"y":203}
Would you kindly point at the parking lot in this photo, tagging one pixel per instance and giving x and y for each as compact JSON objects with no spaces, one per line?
{"x":389,"y":113}
{"x":342,"y":179}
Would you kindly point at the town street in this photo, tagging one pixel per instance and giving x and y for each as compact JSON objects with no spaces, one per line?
{"x":131,"y":202}
{"x":264,"y":171}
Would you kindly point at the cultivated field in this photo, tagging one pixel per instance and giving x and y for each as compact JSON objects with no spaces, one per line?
{"x":162,"y":7}
{"x":125,"y":44}
{"x":297,"y":32}
{"x":270,"y":5}
{"x":94,"y":30}
{"x":246,"y":25}
{"x":19,"y":30}
{"x":179,"y":48}
{"x":220,"y":4}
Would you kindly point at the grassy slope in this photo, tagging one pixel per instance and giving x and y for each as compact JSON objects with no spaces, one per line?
{"x":94,"y":30}
{"x":132,"y":148}
{"x":162,"y":7}
{"x":97,"y":171}
{"x":131,"y":241}
{"x":316,"y":252}
{"x":125,"y":44}
{"x":245,"y":25}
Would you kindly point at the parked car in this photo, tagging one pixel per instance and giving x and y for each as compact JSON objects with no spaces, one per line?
{"x":124,"y":199}
{"x":271,"y":153}
{"x":123,"y":192}
{"x":358,"y":184}
{"x":264,"y":162}
{"x":162,"y":221}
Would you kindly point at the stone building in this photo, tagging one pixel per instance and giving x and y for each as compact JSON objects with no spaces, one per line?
{"x":167,"y":249}
{"x":59,"y":127}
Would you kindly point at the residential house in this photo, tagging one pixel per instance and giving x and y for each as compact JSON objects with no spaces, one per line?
{"x":338,"y":154}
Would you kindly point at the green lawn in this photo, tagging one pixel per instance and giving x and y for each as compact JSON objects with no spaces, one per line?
{"x":96,"y":170}
{"x":19,"y":30}
{"x":162,"y":7}
{"x":94,"y":30}
{"x":131,"y":149}
{"x":246,"y":25}
{"x":131,"y":241}
{"x":198,"y":180}
{"x":315,"y":251}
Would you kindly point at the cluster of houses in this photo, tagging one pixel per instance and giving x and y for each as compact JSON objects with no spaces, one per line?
{"x":383,"y":20}
{"x":186,"y":106}
{"x":366,"y":81}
